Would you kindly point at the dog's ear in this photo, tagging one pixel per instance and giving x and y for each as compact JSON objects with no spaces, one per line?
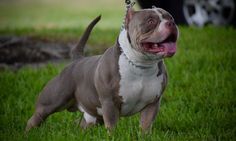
{"x":129,"y":15}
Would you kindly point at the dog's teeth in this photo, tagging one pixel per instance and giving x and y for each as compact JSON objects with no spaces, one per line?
{"x":155,"y":45}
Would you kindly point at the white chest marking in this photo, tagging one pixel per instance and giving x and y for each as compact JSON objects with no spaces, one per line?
{"x":138,"y":87}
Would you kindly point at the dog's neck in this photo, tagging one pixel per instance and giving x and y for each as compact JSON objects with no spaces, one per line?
{"x":135,"y":58}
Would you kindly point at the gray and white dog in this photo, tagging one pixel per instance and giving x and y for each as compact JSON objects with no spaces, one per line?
{"x":128,"y":78}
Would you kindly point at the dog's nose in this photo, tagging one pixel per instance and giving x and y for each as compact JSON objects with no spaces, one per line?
{"x":170,"y":24}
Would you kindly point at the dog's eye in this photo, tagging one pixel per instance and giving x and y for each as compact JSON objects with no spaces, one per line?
{"x":151,"y":21}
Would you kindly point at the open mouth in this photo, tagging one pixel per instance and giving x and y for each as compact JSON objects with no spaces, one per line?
{"x":167,"y":46}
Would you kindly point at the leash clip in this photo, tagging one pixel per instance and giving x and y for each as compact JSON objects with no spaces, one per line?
{"x":129,"y":3}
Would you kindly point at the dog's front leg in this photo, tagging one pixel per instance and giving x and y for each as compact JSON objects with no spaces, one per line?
{"x":148,"y":114}
{"x":110,"y":113}
{"x":107,"y":86}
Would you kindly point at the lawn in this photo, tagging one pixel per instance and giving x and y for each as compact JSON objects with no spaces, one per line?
{"x":199,"y":103}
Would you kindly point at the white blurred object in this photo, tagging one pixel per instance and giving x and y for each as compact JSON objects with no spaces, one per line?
{"x":202,"y":12}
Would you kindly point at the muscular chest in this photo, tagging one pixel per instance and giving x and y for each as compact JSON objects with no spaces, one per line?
{"x":138,"y":88}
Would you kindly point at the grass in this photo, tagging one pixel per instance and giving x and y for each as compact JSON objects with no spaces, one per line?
{"x":60,"y":19}
{"x":199,"y":103}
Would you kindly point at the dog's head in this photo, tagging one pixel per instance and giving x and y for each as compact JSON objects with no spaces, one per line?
{"x":151,"y":32}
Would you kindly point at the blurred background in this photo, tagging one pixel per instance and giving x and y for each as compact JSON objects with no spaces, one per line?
{"x":74,"y":13}
{"x":33,"y":31}
{"x":197,"y":12}
{"x":59,"y":13}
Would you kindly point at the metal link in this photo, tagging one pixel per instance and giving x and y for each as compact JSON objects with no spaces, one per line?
{"x":128,"y":4}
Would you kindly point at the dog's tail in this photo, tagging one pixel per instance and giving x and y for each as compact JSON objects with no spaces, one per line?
{"x":78,"y":50}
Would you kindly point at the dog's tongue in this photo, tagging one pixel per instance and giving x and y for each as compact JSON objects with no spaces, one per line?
{"x":168,"y":48}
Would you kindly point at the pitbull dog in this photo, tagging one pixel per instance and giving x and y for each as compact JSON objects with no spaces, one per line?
{"x":128,"y":78}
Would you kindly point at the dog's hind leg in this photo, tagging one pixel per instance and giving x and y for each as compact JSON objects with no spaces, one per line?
{"x":43,"y":111}
{"x":56,"y":96}
{"x":38,"y":117}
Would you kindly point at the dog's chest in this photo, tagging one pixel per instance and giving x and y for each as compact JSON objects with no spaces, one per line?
{"x":138,"y":87}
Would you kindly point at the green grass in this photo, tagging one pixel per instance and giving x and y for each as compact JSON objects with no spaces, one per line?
{"x":60,"y":19}
{"x":199,"y":103}
{"x":50,"y":14}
